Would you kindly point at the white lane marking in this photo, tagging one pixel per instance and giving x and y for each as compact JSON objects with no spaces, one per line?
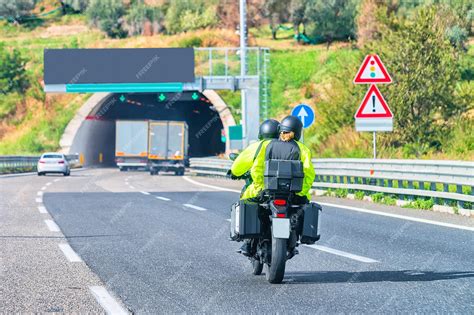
{"x":107,"y":301}
{"x":344,"y":254}
{"x":69,"y":253}
{"x":399,"y":216}
{"x":43,"y":188}
{"x":194,"y":207}
{"x":47,"y":184}
{"x":163,"y":198}
{"x":228,"y":220}
{"x":132,"y":187}
{"x":53,"y":227}
{"x":209,"y":186}
{"x":39,"y":193}
{"x":42,"y":209}
{"x":56,"y":180}
{"x":39,"y":200}
{"x":145,"y":193}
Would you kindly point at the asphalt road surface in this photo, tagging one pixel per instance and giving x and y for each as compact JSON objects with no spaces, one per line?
{"x":159,"y":244}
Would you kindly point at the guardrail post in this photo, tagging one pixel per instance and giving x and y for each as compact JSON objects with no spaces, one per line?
{"x":410,"y":186}
{"x":446,"y":189}
{"x":433,"y":188}
{"x":459,"y":191}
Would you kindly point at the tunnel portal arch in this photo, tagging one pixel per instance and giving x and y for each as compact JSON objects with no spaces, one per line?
{"x":91,"y":133}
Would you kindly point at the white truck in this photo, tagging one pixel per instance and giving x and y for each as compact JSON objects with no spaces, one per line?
{"x":168,"y":146}
{"x":131,"y":144}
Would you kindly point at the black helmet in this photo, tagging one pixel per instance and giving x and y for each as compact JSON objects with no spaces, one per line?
{"x":291,"y":123}
{"x":268,"y":129}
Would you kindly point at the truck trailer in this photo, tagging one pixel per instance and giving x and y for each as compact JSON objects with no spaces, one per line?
{"x":168,"y":146}
{"x":131,"y":144}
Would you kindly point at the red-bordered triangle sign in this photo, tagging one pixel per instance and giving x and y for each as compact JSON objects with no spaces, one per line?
{"x":373,"y":105}
{"x":372,"y":71}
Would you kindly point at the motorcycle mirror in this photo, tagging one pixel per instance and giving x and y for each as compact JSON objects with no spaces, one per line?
{"x":233,"y":156}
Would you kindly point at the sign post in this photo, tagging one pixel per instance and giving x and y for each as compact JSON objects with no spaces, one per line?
{"x":304,"y":113}
{"x":373,"y":113}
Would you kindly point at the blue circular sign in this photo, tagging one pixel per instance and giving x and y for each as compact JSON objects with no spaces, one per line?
{"x":304,"y":113}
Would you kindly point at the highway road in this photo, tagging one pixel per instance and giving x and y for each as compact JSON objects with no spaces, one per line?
{"x":101,"y":240}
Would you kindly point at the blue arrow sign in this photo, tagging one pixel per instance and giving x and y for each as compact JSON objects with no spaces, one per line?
{"x":305,"y":113}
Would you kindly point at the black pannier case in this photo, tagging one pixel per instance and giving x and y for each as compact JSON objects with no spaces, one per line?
{"x":283,"y":175}
{"x":311,"y":221}
{"x":244,"y":220}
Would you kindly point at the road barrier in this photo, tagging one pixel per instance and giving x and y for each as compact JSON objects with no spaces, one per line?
{"x":446,"y":183}
{"x":18,"y":164}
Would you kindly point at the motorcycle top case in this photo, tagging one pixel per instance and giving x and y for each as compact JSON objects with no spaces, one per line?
{"x":311,"y":222}
{"x":284,"y":175}
{"x":244,"y":220}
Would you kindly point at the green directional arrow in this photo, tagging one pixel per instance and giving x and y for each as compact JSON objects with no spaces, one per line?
{"x":122,"y":98}
{"x":161,"y":97}
{"x":195,"y":96}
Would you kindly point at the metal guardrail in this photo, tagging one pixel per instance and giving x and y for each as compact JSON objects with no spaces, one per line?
{"x":18,"y":164}
{"x":443,"y":181}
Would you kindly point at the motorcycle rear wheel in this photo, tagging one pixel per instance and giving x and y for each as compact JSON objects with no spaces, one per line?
{"x":257,"y":267}
{"x":276,"y":271}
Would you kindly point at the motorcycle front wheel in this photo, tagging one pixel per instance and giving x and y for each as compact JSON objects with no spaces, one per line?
{"x":276,"y":271}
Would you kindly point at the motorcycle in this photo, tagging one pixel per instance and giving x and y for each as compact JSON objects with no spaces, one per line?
{"x":275,"y":223}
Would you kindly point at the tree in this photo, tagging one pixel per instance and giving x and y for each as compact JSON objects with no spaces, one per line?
{"x":108,"y":16}
{"x":13,"y":76}
{"x":143,"y":19}
{"x":424,"y":69}
{"x":297,"y":15}
{"x":186,"y":15}
{"x":368,"y":21}
{"x":277,"y":13}
{"x":16,"y":10}
{"x":331,"y":19}
{"x":75,"y":5}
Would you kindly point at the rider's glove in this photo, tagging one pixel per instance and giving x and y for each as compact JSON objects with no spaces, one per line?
{"x":232,"y":176}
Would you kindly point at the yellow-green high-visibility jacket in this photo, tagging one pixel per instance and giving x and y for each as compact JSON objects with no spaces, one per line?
{"x":258,"y":169}
{"x":243,"y":163}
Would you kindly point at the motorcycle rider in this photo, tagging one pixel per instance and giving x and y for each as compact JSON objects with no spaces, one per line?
{"x":287,"y":147}
{"x":243,"y":163}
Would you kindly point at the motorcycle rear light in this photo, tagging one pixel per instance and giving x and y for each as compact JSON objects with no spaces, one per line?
{"x":280,"y":202}
{"x":281,"y":215}
{"x":61,"y":162}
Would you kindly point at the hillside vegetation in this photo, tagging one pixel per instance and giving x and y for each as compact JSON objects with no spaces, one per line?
{"x":433,"y":101}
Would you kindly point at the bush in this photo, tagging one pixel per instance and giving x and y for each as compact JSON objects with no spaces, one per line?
{"x":76,"y":5}
{"x":359,"y":195}
{"x":16,"y":10}
{"x":8,"y":104}
{"x":13,"y":76}
{"x":341,"y":193}
{"x":108,"y":16}
{"x":377,"y":197}
{"x":420,"y":203}
{"x":187,"y":15}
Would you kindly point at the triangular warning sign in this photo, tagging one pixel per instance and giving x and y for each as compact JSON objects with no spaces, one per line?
{"x":373,"y":105}
{"x":372,"y":71}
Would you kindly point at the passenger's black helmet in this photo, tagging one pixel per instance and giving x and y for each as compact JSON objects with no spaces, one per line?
{"x":291,"y":123}
{"x":268,"y":129}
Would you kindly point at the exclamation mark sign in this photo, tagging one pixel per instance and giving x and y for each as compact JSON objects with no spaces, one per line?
{"x":373,"y":103}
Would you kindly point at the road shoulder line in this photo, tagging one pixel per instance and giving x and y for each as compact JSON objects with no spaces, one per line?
{"x":343,"y":254}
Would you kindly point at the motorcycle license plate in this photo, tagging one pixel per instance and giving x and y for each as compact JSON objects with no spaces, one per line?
{"x":281,"y":228}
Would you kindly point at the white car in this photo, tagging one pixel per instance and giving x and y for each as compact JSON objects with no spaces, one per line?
{"x":52,"y":162}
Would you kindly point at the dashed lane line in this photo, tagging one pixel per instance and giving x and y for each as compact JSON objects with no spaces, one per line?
{"x":42,"y":209}
{"x":47,"y":184}
{"x":163,"y":198}
{"x":228,"y":220}
{"x":209,"y":186}
{"x":43,"y":188}
{"x":343,"y":254}
{"x":56,"y":180}
{"x":107,"y":301}
{"x":53,"y":227}
{"x":39,"y":193}
{"x":69,"y":253}
{"x":194,"y":207}
{"x":131,"y":187}
{"x":145,"y":193}
{"x":39,"y":200}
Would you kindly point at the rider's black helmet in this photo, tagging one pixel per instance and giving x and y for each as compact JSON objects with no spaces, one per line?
{"x":268,"y":129}
{"x":291,"y":123}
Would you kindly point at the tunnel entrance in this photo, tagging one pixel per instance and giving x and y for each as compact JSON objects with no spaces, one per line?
{"x":96,"y":135}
